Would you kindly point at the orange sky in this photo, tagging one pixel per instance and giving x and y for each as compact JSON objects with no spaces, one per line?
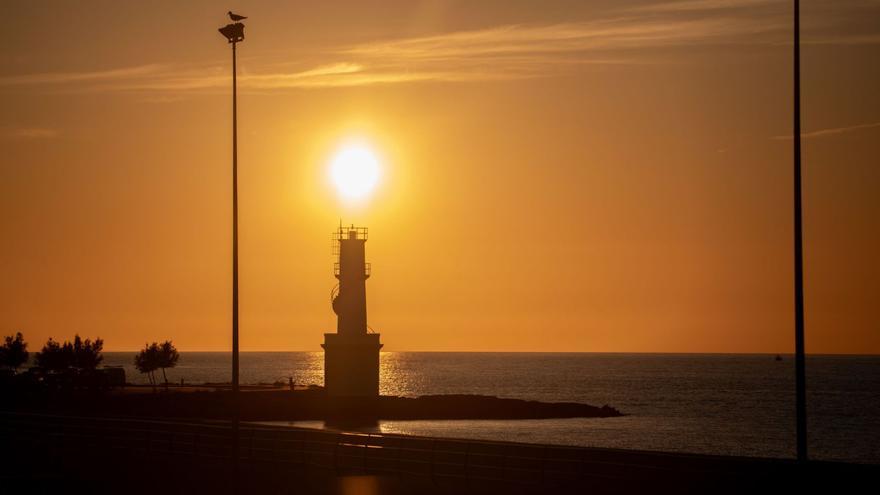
{"x":558,"y":176}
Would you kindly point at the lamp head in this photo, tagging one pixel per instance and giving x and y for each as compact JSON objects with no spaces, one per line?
{"x":233,"y":33}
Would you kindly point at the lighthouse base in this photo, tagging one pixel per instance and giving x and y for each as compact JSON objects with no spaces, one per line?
{"x":351,"y":365}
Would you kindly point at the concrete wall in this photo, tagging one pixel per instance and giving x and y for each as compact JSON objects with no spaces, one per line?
{"x":351,"y":365}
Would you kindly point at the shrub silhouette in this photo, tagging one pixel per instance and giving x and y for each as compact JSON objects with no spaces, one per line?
{"x":14,"y":353}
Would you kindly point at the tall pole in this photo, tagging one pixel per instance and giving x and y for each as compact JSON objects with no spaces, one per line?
{"x":235,"y":390}
{"x":234,"y":33}
{"x":800,"y":359}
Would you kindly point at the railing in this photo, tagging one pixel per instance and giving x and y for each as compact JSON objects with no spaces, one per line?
{"x":344,"y":233}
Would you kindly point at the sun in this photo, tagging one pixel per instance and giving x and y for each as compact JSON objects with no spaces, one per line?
{"x":354,"y":170}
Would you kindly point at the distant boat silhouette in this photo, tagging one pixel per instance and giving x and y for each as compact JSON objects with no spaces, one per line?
{"x":236,"y":17}
{"x":778,"y":357}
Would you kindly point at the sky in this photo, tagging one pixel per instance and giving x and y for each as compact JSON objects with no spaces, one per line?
{"x":591,"y":176}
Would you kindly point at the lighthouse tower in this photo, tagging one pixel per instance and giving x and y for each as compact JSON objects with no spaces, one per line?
{"x":351,"y":355}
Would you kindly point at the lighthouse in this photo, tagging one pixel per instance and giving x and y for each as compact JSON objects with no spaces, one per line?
{"x":351,"y":355}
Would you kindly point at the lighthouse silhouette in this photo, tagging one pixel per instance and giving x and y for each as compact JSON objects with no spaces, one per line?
{"x":351,"y":355}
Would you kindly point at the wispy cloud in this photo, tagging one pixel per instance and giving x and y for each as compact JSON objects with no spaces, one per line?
{"x":701,"y":5}
{"x":499,"y":53}
{"x":29,"y":133}
{"x":846,"y":39}
{"x":79,"y":77}
{"x":336,"y":74}
{"x":544,"y":43}
{"x":627,"y":36}
{"x":831,"y":131}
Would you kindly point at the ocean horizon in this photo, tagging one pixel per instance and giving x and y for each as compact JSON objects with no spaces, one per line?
{"x":726,"y":404}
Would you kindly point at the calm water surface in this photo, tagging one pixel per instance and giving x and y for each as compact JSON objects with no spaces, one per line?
{"x":718,"y":404}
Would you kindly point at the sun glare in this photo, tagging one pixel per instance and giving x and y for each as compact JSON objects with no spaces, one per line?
{"x":354,"y":171}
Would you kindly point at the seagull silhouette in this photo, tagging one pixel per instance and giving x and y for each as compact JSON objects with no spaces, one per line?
{"x":236,"y":17}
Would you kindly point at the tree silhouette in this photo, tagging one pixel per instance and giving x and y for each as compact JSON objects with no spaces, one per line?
{"x":87,"y":354}
{"x":79,"y":354}
{"x":13,"y":353}
{"x":55,"y":356}
{"x":147,"y":361}
{"x":168,"y":357}
{"x":156,"y":356}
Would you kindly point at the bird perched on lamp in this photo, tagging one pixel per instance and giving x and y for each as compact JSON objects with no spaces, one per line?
{"x":236,"y":17}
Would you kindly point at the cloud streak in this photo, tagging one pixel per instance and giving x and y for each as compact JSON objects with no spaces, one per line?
{"x":831,"y":131}
{"x":545,"y":42}
{"x":79,"y":77}
{"x":29,"y":133}
{"x":701,"y":5}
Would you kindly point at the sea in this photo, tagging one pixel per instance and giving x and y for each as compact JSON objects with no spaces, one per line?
{"x":729,"y":404}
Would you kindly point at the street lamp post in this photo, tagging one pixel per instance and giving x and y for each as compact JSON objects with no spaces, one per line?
{"x":799,"y":358}
{"x":234,"y":33}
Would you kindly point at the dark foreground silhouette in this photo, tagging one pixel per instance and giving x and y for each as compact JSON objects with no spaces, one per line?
{"x":67,"y":454}
{"x":282,"y":405}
